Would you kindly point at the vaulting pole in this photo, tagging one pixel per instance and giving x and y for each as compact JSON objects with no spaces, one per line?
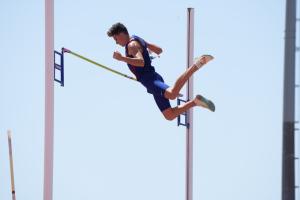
{"x":49,"y":99}
{"x":11,"y":164}
{"x":65,"y":50}
{"x":190,"y":95}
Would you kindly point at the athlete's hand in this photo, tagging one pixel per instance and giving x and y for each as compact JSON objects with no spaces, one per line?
{"x":117,"y":55}
{"x":151,"y":54}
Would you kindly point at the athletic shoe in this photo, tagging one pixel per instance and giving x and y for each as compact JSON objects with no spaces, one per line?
{"x":200,"y":61}
{"x":206,"y":103}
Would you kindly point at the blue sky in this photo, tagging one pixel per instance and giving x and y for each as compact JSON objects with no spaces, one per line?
{"x":111,"y":141}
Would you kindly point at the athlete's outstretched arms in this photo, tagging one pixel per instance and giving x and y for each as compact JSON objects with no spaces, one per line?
{"x":154,"y":48}
{"x":135,"y":50}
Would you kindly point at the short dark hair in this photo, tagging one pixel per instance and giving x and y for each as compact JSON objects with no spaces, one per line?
{"x":116,"y":29}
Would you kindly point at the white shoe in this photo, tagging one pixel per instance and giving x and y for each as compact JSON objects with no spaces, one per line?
{"x":202,"y":101}
{"x":202,"y":60}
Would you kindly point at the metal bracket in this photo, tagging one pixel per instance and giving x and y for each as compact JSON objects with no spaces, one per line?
{"x":59,"y":67}
{"x":185,"y":123}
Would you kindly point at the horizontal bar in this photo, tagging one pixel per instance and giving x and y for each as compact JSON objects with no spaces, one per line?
{"x":57,"y":80}
{"x":57,"y":52}
{"x":181,"y":100}
{"x":57,"y":66}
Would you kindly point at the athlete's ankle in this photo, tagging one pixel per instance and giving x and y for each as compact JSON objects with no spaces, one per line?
{"x":195,"y":66}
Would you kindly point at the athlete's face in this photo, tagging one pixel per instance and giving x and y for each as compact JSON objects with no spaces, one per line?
{"x":121,"y":39}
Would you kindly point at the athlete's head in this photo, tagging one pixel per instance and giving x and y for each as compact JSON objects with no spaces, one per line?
{"x":120,"y":34}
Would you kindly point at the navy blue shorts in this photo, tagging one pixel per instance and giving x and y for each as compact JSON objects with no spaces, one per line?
{"x":156,"y":86}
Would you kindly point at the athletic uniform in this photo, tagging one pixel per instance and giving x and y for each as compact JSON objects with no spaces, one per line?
{"x":148,"y":77}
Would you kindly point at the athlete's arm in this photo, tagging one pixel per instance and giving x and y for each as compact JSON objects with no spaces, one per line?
{"x":154,"y":48}
{"x":135,"y":50}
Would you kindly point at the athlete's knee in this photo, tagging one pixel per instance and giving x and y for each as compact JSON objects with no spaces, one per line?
{"x":169,"y":117}
{"x":169,"y":114}
{"x":171,"y":94}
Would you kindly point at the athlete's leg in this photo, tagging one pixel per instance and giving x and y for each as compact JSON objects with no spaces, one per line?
{"x":172,"y":92}
{"x":169,"y":112}
{"x":172,"y":113}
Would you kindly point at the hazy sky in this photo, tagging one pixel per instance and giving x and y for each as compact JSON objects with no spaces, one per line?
{"x":111,"y":141}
